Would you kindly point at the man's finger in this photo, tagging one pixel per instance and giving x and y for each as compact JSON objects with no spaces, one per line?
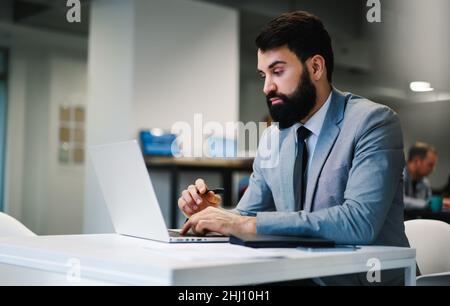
{"x":205,"y":226}
{"x":201,"y":186}
{"x":182,"y":205}
{"x":189,"y":201}
{"x":194,"y":194}
{"x":187,"y":211}
{"x":186,"y":227}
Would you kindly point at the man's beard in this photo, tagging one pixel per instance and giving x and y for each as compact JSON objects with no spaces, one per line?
{"x":296,"y":107}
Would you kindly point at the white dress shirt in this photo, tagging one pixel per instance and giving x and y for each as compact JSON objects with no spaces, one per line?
{"x":314,"y":124}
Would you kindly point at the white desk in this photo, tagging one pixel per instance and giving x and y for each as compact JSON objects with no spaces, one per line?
{"x":116,"y":260}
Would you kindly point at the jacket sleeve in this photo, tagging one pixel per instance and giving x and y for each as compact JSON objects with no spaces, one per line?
{"x":258,"y":196}
{"x":374,"y":177}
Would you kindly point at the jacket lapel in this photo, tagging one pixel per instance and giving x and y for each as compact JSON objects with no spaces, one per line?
{"x":329,"y":132}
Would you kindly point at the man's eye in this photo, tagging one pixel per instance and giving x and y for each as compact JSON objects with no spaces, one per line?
{"x":262,"y":76}
{"x":278,"y":72}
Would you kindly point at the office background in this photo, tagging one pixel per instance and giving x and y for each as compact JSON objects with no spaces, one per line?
{"x":139,"y":64}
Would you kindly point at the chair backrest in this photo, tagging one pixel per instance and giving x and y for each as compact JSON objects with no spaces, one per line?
{"x":10,"y":227}
{"x":431,"y":239}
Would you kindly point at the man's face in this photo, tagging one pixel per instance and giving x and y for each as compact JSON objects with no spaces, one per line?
{"x":426,"y":166}
{"x":287,"y":85}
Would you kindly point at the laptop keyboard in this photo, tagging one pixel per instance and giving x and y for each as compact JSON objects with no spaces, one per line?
{"x":190,"y":234}
{"x":177,"y":234}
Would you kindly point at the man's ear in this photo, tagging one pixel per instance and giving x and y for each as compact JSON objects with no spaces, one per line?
{"x":317,"y":67}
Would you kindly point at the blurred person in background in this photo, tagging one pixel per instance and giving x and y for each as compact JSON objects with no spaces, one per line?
{"x":422,"y":159}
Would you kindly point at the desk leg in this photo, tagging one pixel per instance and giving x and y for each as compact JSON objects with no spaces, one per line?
{"x":174,"y":179}
{"x":410,"y":274}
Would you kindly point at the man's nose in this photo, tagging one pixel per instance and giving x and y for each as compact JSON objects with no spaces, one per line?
{"x":269,"y":86}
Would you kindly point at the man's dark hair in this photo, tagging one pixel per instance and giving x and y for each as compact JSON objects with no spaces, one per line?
{"x":303,"y":33}
{"x":420,"y":150}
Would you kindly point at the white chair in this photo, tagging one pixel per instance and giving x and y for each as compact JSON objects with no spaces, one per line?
{"x":431,"y":239}
{"x":10,"y":227}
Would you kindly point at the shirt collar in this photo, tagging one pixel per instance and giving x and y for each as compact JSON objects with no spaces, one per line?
{"x":315,"y":123}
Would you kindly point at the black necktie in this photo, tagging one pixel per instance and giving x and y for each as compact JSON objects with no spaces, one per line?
{"x":300,"y":167}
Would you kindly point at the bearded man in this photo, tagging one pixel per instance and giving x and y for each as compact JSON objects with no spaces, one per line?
{"x":336,"y":171}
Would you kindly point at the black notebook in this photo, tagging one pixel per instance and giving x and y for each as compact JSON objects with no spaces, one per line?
{"x":269,"y":241}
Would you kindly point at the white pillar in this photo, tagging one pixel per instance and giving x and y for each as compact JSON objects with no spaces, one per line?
{"x":110,"y":93}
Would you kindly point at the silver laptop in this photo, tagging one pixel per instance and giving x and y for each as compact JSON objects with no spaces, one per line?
{"x":130,"y":197}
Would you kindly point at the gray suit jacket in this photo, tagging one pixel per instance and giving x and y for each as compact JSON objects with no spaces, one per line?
{"x":355,"y":187}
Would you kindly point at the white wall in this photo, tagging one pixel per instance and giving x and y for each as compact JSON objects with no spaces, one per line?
{"x":45,"y":196}
{"x":152,"y":63}
{"x":63,"y":212}
{"x":187,"y":61}
{"x":46,"y":69}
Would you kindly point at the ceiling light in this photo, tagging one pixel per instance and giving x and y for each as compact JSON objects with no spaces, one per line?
{"x":421,"y":87}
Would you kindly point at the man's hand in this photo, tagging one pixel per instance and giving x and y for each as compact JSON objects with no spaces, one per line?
{"x":195,"y":198}
{"x":221,"y":221}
